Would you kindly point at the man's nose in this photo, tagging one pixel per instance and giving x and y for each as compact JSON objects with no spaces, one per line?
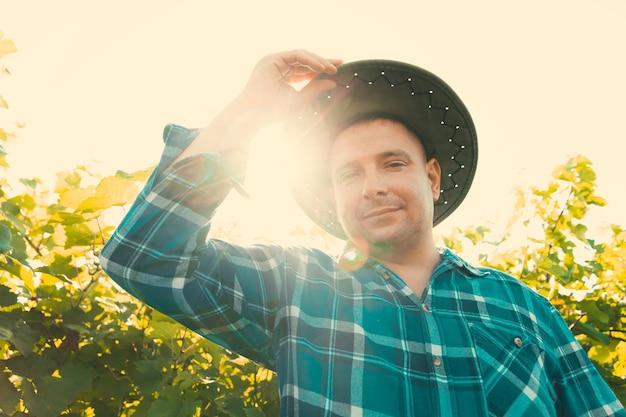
{"x":374,"y":185}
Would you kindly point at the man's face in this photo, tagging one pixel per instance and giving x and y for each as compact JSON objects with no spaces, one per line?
{"x":383,"y":186}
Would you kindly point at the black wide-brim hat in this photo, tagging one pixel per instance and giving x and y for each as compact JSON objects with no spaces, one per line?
{"x":370,"y":89}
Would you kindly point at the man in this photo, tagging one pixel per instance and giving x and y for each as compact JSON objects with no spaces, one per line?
{"x":395,"y":327}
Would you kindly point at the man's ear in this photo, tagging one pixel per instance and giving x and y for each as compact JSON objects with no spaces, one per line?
{"x":433,"y":170}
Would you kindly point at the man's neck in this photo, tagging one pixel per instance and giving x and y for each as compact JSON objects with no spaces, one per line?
{"x":415,"y":266}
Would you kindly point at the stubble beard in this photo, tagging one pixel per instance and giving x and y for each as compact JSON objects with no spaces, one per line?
{"x":391,"y":244}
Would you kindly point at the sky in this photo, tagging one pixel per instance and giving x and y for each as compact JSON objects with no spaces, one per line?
{"x":96,"y":82}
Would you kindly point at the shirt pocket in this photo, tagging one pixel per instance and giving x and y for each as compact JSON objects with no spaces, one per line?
{"x":513,"y":371}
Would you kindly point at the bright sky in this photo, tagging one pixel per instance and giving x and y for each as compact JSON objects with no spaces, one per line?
{"x":96,"y":82}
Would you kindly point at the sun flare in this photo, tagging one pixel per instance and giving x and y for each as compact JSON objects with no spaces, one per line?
{"x":270,"y":213}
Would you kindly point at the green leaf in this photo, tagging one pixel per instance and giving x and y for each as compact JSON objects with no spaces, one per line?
{"x":55,"y":394}
{"x":149,"y":376}
{"x":30,"y":182}
{"x":7,"y":326}
{"x":104,"y":409}
{"x":111,"y":191}
{"x":28,"y":279}
{"x":189,"y":408}
{"x":78,"y":235}
{"x":21,"y":271}
{"x":234,"y":407}
{"x":67,"y":180}
{"x":597,"y":201}
{"x":185,"y":380}
{"x":10,"y":396}
{"x":163,"y":327}
{"x":7,"y":297}
{"x":61,"y":267}
{"x":5,"y":238}
{"x":79,"y":377}
{"x":592,"y":332}
{"x":254,"y":412}
{"x":580,"y":231}
{"x":22,"y":201}
{"x":140,"y":176}
{"x":54,"y":300}
{"x":47,"y":395}
{"x":73,"y":197}
{"x":12,"y":212}
{"x":556,"y":270}
{"x":114,"y":387}
{"x":165,"y":408}
{"x":164,"y":330}
{"x":66,"y":218}
{"x":587,"y":174}
{"x":29,"y":366}
{"x":215,"y":352}
{"x":593,"y":312}
{"x":24,"y":338}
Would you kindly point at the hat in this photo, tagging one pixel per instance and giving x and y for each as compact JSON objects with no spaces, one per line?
{"x":369,"y":89}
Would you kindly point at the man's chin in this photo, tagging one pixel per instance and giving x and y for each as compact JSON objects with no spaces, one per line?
{"x":379,"y":241}
{"x":386,"y":240}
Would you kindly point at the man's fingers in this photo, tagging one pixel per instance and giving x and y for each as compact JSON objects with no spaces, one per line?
{"x":283,"y":81}
{"x":335,"y":62}
{"x":299,"y":71}
{"x":304,"y":60}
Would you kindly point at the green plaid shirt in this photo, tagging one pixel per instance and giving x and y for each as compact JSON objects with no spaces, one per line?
{"x":477,"y":343}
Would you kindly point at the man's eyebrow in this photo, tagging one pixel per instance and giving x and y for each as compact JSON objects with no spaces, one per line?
{"x":395,"y":153}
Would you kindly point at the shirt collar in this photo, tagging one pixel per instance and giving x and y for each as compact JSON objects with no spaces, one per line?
{"x":352,"y":260}
{"x":450,"y":260}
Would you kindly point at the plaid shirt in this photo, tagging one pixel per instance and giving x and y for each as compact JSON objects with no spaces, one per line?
{"x":477,"y":343}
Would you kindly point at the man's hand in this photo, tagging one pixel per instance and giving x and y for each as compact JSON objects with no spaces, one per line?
{"x":280,"y":83}
{"x":270,"y":95}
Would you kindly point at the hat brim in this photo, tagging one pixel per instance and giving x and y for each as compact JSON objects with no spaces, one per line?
{"x":387,"y":89}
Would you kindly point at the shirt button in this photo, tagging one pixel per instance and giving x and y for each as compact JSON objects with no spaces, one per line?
{"x":518,"y":342}
{"x":424,"y":308}
{"x":386,"y":275}
{"x":437,"y":361}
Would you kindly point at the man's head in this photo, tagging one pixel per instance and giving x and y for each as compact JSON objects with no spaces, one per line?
{"x":418,"y":101}
{"x":383,"y":184}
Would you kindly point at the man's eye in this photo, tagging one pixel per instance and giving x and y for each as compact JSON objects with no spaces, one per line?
{"x":347,"y":177}
{"x":396,"y":164}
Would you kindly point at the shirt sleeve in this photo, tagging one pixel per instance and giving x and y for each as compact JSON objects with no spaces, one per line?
{"x":160,"y":254}
{"x":580,"y":389}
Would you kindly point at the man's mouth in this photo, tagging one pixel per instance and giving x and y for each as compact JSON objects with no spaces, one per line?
{"x":379,"y":211}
